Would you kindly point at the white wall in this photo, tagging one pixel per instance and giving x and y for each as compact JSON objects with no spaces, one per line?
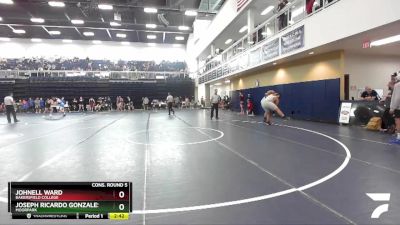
{"x":191,"y":60}
{"x":18,"y":48}
{"x":199,"y":27}
{"x":369,"y":70}
{"x":201,"y":91}
{"x":223,"y":89}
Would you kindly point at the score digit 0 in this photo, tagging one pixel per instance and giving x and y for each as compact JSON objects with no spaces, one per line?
{"x":121,"y":194}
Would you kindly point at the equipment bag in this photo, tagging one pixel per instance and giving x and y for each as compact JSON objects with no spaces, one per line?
{"x":374,"y":123}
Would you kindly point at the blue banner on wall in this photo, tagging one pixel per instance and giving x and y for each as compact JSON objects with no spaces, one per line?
{"x":293,"y":40}
{"x":255,"y":57}
{"x":270,"y":50}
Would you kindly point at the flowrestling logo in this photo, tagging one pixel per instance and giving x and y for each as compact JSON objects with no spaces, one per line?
{"x":379,"y":197}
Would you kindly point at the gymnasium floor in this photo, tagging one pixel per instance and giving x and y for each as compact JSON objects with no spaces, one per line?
{"x":188,"y":169}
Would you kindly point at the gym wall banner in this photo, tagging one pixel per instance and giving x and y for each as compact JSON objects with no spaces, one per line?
{"x":254,"y":57}
{"x":293,"y":40}
{"x":271,"y":50}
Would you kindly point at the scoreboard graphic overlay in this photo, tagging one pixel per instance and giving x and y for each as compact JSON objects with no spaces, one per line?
{"x":70,"y":200}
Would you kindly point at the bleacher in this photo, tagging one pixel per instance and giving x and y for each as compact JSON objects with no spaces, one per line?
{"x":42,"y":64}
{"x":43,"y":78}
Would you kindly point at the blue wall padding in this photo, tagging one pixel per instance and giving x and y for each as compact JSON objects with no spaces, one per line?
{"x":314,"y":100}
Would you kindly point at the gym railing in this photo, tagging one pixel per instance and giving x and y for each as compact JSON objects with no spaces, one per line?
{"x":111,"y":75}
{"x":294,"y":12}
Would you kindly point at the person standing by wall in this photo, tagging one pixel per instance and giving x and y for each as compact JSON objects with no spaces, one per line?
{"x":395,"y":109}
{"x":9,"y":102}
{"x":215,"y":100}
{"x":241,"y":100}
{"x":170,"y":102}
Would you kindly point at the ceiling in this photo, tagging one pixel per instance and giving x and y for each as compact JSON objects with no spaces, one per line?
{"x":133,"y":20}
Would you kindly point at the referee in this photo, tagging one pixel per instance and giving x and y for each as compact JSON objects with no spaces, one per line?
{"x":170,"y":101}
{"x":9,"y":102}
{"x":215,"y":99}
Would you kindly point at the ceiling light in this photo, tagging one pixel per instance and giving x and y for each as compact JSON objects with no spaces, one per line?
{"x":36,"y":40}
{"x":183,"y":28}
{"x":151,"y":44}
{"x":151,"y":36}
{"x":4,"y":39}
{"x":96,"y":42}
{"x":7,"y":2}
{"x":240,"y":48}
{"x":125,"y":43}
{"x":150,"y":10}
{"x":386,"y":41}
{"x":19,"y":31}
{"x":243,"y":29}
{"x":115,"y":24}
{"x":77,"y":21}
{"x":311,"y":53}
{"x":227,"y":42}
{"x":67,"y":41}
{"x":54,"y":32}
{"x":37,"y":20}
{"x":227,"y":81}
{"x":1,"y":18}
{"x":209,"y":57}
{"x":121,"y":35}
{"x":274,"y":63}
{"x":151,"y":26}
{"x":179,"y":38}
{"x":176,"y":45}
{"x":105,"y":7}
{"x":88,"y":34}
{"x":190,"y":13}
{"x":250,"y":42}
{"x":56,"y":4}
{"x":264,"y":33}
{"x":267,"y":10}
{"x":217,"y":84}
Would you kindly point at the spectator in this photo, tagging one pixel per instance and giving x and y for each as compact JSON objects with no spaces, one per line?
{"x":369,"y":94}
{"x":31,"y":105}
{"x":2,"y":107}
{"x":283,"y":18}
{"x":74,"y":104}
{"x":250,"y":107}
{"x":91,"y":104}
{"x":395,"y":109}
{"x":81,"y":104}
{"x":42,"y":105}
{"x":392,"y":82}
{"x":388,"y":122}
